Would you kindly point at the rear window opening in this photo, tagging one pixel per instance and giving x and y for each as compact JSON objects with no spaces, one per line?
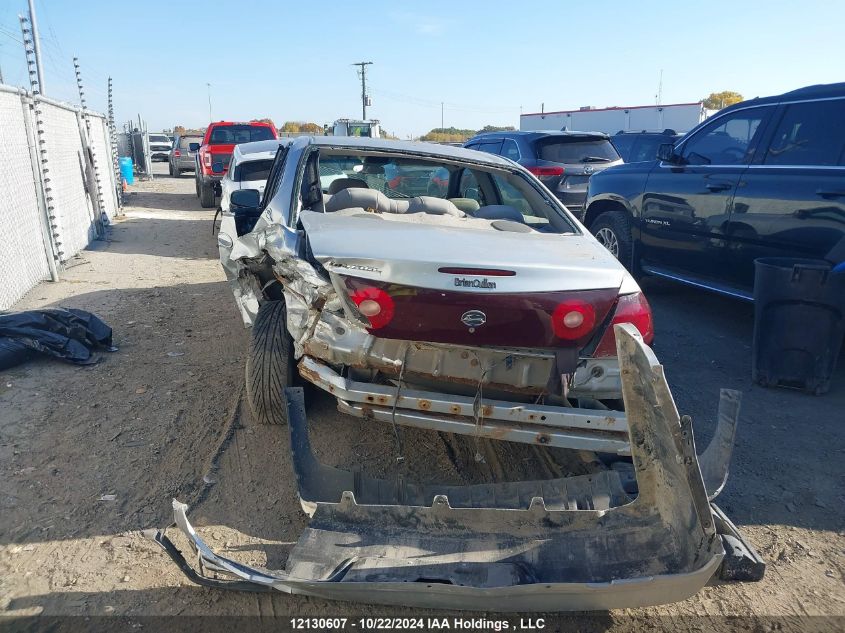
{"x":562,"y":150}
{"x":472,"y":191}
{"x":236,"y":134}
{"x":253,"y":170}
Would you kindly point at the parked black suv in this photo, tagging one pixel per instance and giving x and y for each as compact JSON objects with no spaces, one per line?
{"x":636,"y":147}
{"x":762,"y":178}
{"x":563,"y":161}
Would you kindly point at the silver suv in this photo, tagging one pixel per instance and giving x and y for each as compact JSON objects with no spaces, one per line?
{"x":183,"y":155}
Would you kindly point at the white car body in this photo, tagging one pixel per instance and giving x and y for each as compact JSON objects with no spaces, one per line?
{"x":246,"y":153}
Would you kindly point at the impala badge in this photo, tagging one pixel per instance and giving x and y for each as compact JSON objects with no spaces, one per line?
{"x":473,"y":319}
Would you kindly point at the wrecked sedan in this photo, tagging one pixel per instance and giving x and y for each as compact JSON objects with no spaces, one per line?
{"x":412,"y":310}
{"x":488,"y":311}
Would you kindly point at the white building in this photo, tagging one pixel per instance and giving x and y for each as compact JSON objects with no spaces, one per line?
{"x":680,"y":117}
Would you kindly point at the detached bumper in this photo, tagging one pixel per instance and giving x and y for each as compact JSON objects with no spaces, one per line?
{"x":579,"y":543}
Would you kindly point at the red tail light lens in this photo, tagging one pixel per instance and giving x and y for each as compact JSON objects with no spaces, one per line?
{"x":206,"y":160}
{"x":375,"y":304}
{"x":572,"y":320}
{"x":546,"y":171}
{"x":631,"y":308}
{"x":177,"y":153}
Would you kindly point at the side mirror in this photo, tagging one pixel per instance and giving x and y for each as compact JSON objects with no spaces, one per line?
{"x":244,"y":200}
{"x":193,"y":147}
{"x":666,"y":153}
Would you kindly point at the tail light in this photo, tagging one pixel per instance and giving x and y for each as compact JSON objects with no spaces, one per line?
{"x":632,"y":308}
{"x":574,"y":319}
{"x":177,"y":153}
{"x":374,"y":304}
{"x":546,"y":171}
{"x":206,"y":159}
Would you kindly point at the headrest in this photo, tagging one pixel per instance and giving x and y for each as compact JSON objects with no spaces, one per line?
{"x":499,"y":212}
{"x":346,"y":183}
{"x":467,"y":205}
{"x":432,"y":206}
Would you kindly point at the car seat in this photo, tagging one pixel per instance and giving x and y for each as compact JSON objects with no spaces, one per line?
{"x":346,"y":183}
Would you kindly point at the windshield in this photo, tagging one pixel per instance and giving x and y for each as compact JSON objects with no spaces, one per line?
{"x":235,"y":134}
{"x":158,"y":138}
{"x":478,"y":192}
{"x":558,"y":150}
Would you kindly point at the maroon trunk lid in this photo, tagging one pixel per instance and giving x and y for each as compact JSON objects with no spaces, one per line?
{"x":477,"y":318}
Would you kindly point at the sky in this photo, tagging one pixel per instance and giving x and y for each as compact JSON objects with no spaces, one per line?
{"x":485,"y":61}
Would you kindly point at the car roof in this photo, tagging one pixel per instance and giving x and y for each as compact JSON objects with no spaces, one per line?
{"x":817,"y":91}
{"x":538,"y":134}
{"x":258,"y":149}
{"x":666,"y":132}
{"x":410,"y":147}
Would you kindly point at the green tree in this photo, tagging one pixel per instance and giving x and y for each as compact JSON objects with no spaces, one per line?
{"x":496,"y":128}
{"x":291,"y":127}
{"x":719,"y":100}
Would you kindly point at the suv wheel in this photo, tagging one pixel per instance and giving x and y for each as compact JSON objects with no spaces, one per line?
{"x":170,"y":168}
{"x":613,"y":231}
{"x":206,"y":195}
{"x":269,"y":364}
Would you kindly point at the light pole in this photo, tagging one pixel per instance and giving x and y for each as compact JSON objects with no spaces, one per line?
{"x":208,"y":85}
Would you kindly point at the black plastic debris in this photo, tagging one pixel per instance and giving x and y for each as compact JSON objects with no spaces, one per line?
{"x":66,"y":333}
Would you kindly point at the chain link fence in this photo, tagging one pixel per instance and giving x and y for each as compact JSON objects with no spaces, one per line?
{"x":49,"y":177}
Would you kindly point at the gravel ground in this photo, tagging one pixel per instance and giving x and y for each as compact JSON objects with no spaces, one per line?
{"x":150,"y":421}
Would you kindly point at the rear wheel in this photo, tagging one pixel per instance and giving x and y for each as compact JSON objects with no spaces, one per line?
{"x":206,"y":195}
{"x":613,"y":231}
{"x":269,"y":364}
{"x":170,"y":168}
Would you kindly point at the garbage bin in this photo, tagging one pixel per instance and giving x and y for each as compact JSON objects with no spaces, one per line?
{"x":126,"y":171}
{"x":799,"y":321}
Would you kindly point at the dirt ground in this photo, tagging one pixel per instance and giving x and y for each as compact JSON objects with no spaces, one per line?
{"x":165,"y":417}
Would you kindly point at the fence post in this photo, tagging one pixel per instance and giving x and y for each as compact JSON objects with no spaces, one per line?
{"x":95,"y":185}
{"x":48,"y":229}
{"x":114,"y":154}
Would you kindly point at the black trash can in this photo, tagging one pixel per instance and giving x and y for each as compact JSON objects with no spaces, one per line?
{"x":799,"y":322}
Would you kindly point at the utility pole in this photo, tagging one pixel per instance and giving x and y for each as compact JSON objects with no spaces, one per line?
{"x":364,"y":98}
{"x":36,"y":45}
{"x":208,"y":85}
{"x":659,"y":96}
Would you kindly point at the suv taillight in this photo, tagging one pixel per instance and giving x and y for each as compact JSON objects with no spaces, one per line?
{"x":374,"y":304}
{"x":546,"y":171}
{"x":632,"y":308}
{"x":206,"y":160}
{"x":177,"y":153}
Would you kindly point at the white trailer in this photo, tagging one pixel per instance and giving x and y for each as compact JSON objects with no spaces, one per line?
{"x":356,"y":127}
{"x":680,"y":117}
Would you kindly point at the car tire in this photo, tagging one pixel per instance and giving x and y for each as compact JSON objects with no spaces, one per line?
{"x":177,"y":172}
{"x":170,"y":168}
{"x":206,"y":196}
{"x":269,"y":364}
{"x":613,"y":231}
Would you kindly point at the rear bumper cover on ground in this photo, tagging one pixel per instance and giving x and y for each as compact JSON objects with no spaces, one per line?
{"x":579,"y":543}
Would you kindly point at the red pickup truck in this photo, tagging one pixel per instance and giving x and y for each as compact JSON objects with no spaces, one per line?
{"x":216,"y":151}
